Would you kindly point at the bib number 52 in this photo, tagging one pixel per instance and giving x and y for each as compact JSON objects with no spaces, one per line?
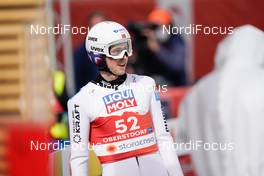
{"x":121,"y":125}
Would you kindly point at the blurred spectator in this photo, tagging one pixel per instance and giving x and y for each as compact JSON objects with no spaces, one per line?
{"x":60,"y":90}
{"x":226,"y":109}
{"x":84,"y":70}
{"x":59,"y":129}
{"x":159,"y":54}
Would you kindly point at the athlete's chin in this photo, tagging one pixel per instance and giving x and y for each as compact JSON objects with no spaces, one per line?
{"x":121,"y":72}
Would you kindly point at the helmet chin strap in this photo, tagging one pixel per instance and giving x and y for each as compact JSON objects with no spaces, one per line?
{"x":105,"y":68}
{"x":109,"y":71}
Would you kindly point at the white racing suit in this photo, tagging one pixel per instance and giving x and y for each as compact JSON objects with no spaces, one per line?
{"x":125,"y":127}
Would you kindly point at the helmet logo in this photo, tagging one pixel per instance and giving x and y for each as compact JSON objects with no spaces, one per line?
{"x":97,"y":49}
{"x":123,"y":35}
{"x":92,"y":39}
{"x":118,"y":30}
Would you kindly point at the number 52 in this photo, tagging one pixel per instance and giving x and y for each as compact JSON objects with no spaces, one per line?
{"x":121,"y":127}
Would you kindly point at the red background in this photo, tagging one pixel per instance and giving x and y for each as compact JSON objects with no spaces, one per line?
{"x":221,"y":13}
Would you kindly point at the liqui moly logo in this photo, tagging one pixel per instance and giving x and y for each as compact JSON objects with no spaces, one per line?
{"x":119,"y":100}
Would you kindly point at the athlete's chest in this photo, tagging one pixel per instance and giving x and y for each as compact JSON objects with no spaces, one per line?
{"x":108,"y":102}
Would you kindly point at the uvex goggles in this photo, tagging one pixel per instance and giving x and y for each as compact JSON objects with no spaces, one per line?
{"x":115,"y":50}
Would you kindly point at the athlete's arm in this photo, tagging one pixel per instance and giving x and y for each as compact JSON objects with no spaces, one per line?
{"x":164,"y":139}
{"x":79,"y":133}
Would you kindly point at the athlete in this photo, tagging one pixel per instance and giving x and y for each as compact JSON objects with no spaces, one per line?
{"x":119,"y":114}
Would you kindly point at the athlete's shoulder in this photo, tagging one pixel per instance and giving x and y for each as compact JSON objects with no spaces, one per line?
{"x":141,"y":79}
{"x":83,"y":94}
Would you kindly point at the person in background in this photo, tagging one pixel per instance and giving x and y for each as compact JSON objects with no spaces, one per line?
{"x":58,"y":129}
{"x":84,"y":70}
{"x":161,"y":55}
{"x":225,"y":109}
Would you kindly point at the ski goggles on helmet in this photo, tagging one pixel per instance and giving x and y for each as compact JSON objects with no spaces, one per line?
{"x":115,"y":50}
{"x":118,"y":49}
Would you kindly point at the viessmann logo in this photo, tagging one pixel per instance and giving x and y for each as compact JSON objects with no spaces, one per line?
{"x":119,"y":100}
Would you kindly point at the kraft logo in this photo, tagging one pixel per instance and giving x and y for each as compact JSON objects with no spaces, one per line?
{"x":119,"y":100}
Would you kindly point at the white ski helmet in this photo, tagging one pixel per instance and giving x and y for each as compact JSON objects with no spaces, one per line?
{"x":102,"y":37}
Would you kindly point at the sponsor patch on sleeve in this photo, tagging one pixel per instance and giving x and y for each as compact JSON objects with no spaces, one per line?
{"x":76,"y":124}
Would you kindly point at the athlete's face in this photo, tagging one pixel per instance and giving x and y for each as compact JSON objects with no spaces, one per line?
{"x":117,"y":66}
